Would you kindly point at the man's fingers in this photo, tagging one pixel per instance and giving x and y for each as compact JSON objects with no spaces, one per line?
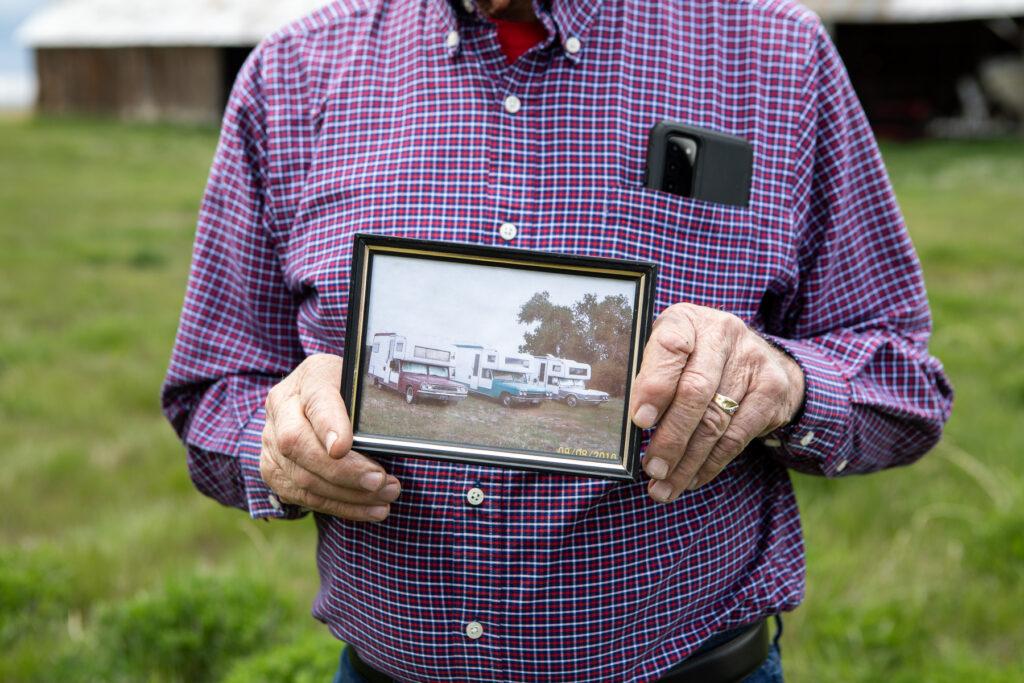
{"x":296,"y":440}
{"x":353,"y":511}
{"x":713,"y":424}
{"x":694,"y":391}
{"x":665,"y":355}
{"x":763,"y":409}
{"x":355,"y":469}
{"x":300,"y":487}
{"x":668,"y":489}
{"x":356,"y":513}
{"x":746,"y":424}
{"x":320,"y":395}
{"x":313,"y":483}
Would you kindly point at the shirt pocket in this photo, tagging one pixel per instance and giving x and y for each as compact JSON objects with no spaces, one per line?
{"x":707,"y":253}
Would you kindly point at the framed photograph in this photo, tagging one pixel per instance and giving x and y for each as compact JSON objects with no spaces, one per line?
{"x":495,"y":356}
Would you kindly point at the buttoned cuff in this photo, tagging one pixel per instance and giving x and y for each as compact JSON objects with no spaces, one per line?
{"x":817,"y":440}
{"x":262,"y":502}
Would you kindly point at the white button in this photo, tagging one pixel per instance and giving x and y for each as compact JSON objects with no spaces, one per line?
{"x":475,"y":496}
{"x":468,"y":6}
{"x":512,"y":104}
{"x":474,"y":629}
{"x":842,"y":465}
{"x":452,"y":39}
{"x":772,"y":443}
{"x":808,"y":438}
{"x":573,"y":45}
{"x":508,"y":231}
{"x":274,"y":502}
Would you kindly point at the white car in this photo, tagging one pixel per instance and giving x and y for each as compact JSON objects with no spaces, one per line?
{"x":574,"y":392}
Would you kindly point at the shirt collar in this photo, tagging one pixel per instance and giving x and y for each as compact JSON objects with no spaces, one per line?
{"x":566,"y":20}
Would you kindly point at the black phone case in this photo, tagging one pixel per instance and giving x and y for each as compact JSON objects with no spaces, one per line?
{"x":724,"y":168}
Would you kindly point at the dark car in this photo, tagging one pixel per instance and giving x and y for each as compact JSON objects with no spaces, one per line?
{"x":418,"y":381}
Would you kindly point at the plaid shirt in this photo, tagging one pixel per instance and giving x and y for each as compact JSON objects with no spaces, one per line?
{"x":404,"y":118}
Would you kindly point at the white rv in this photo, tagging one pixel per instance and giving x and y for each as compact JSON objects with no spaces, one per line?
{"x":416,"y":368}
{"x":492,"y":373}
{"x":567,"y":379}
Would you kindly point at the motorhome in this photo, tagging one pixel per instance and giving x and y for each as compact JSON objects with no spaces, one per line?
{"x":492,"y":373}
{"x":567,"y":379}
{"x":416,"y":368}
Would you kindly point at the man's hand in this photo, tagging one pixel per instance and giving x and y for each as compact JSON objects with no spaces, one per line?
{"x":695,"y":352}
{"x":306,"y":456}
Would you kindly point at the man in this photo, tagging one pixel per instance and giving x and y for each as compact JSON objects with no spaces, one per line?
{"x":430,"y":119}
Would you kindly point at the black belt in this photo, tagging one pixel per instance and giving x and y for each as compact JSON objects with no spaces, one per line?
{"x":728,"y":662}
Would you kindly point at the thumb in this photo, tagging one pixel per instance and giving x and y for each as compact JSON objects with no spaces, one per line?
{"x":320,"y":395}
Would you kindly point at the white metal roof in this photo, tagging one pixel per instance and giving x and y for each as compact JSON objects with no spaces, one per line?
{"x":118,"y":23}
{"x":913,"y":11}
{"x":111,"y":23}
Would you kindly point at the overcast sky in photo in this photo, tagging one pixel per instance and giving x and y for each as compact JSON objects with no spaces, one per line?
{"x":464,"y":303}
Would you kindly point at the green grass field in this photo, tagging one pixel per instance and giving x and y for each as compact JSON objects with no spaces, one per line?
{"x":485,"y":422}
{"x":112,"y":567}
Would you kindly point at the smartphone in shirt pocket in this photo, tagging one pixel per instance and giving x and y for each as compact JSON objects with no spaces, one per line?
{"x":699,"y":163}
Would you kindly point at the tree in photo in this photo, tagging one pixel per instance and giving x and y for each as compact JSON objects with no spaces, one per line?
{"x":592,"y":330}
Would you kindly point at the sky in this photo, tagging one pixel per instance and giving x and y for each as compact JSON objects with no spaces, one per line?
{"x":17,"y":80}
{"x":458,"y":302}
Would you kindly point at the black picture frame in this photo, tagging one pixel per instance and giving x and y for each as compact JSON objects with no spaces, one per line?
{"x":356,"y":378}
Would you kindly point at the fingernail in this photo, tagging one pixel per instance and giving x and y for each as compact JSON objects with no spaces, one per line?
{"x":645,"y":416}
{"x":331,"y":438}
{"x":661,"y":491}
{"x":377,"y":512}
{"x":693,"y":485}
{"x":657,"y":468}
{"x":390,"y":492}
{"x":371,"y":481}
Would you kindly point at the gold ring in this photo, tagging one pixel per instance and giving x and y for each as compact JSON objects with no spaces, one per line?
{"x":728,"y":405}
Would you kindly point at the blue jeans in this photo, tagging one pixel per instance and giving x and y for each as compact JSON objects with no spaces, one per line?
{"x":770,"y":671}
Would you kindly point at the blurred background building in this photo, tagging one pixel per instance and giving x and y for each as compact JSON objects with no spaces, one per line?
{"x":147,"y":59}
{"x":921,"y":67}
{"x":941,"y":67}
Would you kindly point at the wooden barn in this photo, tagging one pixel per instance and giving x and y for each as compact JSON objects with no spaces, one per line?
{"x":933,"y":67}
{"x":920,"y":66}
{"x":147,"y":59}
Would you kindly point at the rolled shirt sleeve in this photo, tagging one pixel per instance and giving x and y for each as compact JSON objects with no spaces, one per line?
{"x":237,"y":335}
{"x":858,"y":323}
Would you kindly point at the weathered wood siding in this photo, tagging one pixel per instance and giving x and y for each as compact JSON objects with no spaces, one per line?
{"x":143,"y":83}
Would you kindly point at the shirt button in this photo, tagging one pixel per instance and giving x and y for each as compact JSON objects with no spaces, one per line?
{"x":512,"y":104}
{"x":474,"y":629}
{"x":475,"y":496}
{"x":841,"y":465}
{"x":772,"y":443}
{"x":274,"y":502}
{"x":468,"y":6}
{"x":808,"y":438}
{"x":508,"y":231}
{"x":573,"y":45}
{"x":451,"y":41}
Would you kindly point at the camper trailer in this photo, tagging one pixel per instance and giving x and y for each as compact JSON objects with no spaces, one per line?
{"x":508,"y":377}
{"x":416,"y":368}
{"x":567,"y":380}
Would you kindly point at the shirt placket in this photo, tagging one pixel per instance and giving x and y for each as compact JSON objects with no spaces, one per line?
{"x":484,"y":496}
{"x":481,"y":498}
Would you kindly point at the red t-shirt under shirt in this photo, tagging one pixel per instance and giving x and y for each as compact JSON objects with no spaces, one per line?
{"x":516,"y":37}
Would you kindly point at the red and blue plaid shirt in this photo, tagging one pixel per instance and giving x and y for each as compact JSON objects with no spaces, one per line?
{"x":395,"y":118}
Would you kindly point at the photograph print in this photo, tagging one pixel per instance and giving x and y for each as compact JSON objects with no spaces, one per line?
{"x":495,"y":356}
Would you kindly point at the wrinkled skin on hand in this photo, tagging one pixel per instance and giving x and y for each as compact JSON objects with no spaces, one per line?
{"x":307,"y":457}
{"x":693,"y":353}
